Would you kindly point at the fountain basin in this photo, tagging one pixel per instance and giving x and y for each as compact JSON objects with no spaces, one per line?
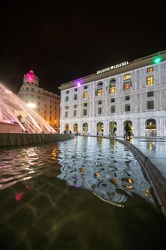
{"x":19,"y":139}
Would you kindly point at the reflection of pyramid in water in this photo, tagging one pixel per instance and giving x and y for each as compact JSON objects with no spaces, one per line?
{"x":14,"y":111}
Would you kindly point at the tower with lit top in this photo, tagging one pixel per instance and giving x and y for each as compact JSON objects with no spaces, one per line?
{"x":43,"y":102}
{"x":31,"y":78}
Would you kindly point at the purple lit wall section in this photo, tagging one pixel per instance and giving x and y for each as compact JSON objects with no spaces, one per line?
{"x":78,"y":83}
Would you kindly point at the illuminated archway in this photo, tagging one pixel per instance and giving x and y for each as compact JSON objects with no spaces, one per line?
{"x":131,"y":126}
{"x":66,"y":126}
{"x":150,"y":126}
{"x":75,"y":128}
{"x":112,"y":128}
{"x":85,"y":128}
{"x":100,"y":128}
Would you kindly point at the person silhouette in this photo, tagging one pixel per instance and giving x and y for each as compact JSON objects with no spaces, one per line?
{"x":127,"y":131}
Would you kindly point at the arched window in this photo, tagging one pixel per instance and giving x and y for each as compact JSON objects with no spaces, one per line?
{"x":127,"y":81}
{"x":99,"y":90}
{"x":112,"y":85}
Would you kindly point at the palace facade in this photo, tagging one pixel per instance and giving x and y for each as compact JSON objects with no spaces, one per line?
{"x":43,"y":102}
{"x":129,"y":92}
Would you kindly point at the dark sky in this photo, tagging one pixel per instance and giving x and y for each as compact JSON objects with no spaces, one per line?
{"x":65,"y":40}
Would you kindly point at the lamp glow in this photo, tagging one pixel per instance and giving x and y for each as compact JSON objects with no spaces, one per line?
{"x":157,"y":59}
{"x":31,"y":105}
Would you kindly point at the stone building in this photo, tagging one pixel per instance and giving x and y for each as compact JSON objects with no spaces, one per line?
{"x":43,"y":102}
{"x":129,"y":92}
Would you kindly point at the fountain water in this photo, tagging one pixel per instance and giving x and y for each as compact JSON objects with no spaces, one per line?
{"x":13,"y":111}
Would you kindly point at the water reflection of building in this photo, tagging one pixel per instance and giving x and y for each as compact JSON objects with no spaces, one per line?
{"x":131,"y":92}
{"x":43,"y":102}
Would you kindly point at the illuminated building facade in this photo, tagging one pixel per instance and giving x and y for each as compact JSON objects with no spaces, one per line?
{"x":43,"y":102}
{"x":130,"y":92}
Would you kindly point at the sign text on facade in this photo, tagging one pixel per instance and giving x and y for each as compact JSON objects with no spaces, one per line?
{"x":112,"y":67}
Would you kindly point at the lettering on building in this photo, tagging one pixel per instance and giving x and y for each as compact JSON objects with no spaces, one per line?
{"x":112,"y":67}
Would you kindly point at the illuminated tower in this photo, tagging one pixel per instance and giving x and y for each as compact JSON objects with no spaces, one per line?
{"x":43,"y":102}
{"x":31,"y":78}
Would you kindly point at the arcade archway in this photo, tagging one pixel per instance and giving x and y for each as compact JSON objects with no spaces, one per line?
{"x":100,"y":128}
{"x":150,"y":126}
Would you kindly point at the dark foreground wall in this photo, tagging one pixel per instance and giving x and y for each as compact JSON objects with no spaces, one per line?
{"x":14,"y":139}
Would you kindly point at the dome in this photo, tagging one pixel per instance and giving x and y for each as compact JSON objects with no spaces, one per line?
{"x":31,"y":78}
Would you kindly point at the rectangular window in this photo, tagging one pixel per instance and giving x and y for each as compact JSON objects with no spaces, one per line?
{"x":150,"y":104}
{"x":84,"y":112}
{"x":149,"y":80}
{"x":75,"y":106}
{"x":150,"y":69}
{"x":66,"y":114}
{"x":127,"y":98}
{"x":98,"y":92}
{"x":127,"y":107}
{"x":99,"y":111}
{"x":127,"y":81}
{"x":75,"y":90}
{"x":67,"y":91}
{"x":85,"y":94}
{"x":67,"y":107}
{"x":75,"y":113}
{"x":84,"y":104}
{"x":126,"y":86}
{"x":112,"y":100}
{"x":112,"y":89}
{"x":150,"y":93}
{"x":85,"y":86}
{"x":75,"y":97}
{"x":112,"y":109}
{"x":99,"y":102}
{"x":66,"y":99}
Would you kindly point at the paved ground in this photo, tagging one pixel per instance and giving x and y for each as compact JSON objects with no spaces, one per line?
{"x":154,"y":149}
{"x":151,"y":152}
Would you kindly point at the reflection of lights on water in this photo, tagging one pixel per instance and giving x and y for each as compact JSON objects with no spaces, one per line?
{"x":110,"y":202}
{"x":54,"y":152}
{"x":81,"y":170}
{"x":114,"y":181}
{"x":151,"y":145}
{"x":147,"y":193}
{"x":97,"y":175}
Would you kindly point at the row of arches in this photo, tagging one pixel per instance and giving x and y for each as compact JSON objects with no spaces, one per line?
{"x":149,"y":126}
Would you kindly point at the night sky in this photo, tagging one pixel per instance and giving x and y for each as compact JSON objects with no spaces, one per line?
{"x":66,"y":40}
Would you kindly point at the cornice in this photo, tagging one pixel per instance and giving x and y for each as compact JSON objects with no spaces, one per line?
{"x":136,"y":64}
